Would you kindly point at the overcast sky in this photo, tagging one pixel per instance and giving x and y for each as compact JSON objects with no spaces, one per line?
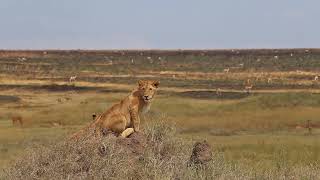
{"x":159,"y":24}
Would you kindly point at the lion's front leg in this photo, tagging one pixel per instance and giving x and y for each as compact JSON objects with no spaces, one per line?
{"x":135,"y":119}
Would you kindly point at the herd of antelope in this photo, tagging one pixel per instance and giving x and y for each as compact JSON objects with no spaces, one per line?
{"x":248,"y":86}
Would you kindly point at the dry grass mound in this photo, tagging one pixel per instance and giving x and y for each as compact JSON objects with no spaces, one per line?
{"x":157,"y":153}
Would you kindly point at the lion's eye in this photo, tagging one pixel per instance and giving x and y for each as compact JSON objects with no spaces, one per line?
{"x":150,"y":89}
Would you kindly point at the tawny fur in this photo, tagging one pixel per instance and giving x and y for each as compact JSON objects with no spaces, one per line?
{"x":123,"y":118}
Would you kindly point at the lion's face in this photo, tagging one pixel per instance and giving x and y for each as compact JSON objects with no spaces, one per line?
{"x":147,"y":89}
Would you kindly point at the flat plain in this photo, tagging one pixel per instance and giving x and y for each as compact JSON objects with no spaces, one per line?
{"x":203,"y":92}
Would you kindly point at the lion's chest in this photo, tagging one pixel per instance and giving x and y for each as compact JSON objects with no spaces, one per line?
{"x":145,"y":108}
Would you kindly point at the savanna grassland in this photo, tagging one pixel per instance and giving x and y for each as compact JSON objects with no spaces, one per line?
{"x":272,"y":129}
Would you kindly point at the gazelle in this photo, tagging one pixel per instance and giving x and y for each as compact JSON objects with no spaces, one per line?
{"x":72,"y":79}
{"x":218,"y":92}
{"x":248,"y":86}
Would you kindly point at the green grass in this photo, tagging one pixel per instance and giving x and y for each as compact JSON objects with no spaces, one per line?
{"x":264,"y":112}
{"x":283,"y":100}
{"x":252,"y":129}
{"x":14,"y":140}
{"x":297,"y":147}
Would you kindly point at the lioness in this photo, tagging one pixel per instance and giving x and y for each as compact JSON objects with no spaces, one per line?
{"x":123,"y":118}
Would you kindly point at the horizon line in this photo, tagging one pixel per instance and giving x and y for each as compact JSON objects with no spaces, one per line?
{"x":154,"y":49}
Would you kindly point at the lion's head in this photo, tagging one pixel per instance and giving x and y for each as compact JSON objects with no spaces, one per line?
{"x":147,"y":89}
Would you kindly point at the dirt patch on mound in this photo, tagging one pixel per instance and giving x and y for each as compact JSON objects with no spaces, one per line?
{"x":201,"y":153}
{"x":135,"y":144}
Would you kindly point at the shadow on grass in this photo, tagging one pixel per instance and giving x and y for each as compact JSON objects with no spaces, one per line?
{"x":9,"y":99}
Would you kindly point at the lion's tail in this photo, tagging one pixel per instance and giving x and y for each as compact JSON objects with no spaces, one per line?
{"x":92,"y":125}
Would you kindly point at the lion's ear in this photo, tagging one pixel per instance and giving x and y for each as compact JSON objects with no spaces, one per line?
{"x":156,"y":84}
{"x":140,"y":83}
